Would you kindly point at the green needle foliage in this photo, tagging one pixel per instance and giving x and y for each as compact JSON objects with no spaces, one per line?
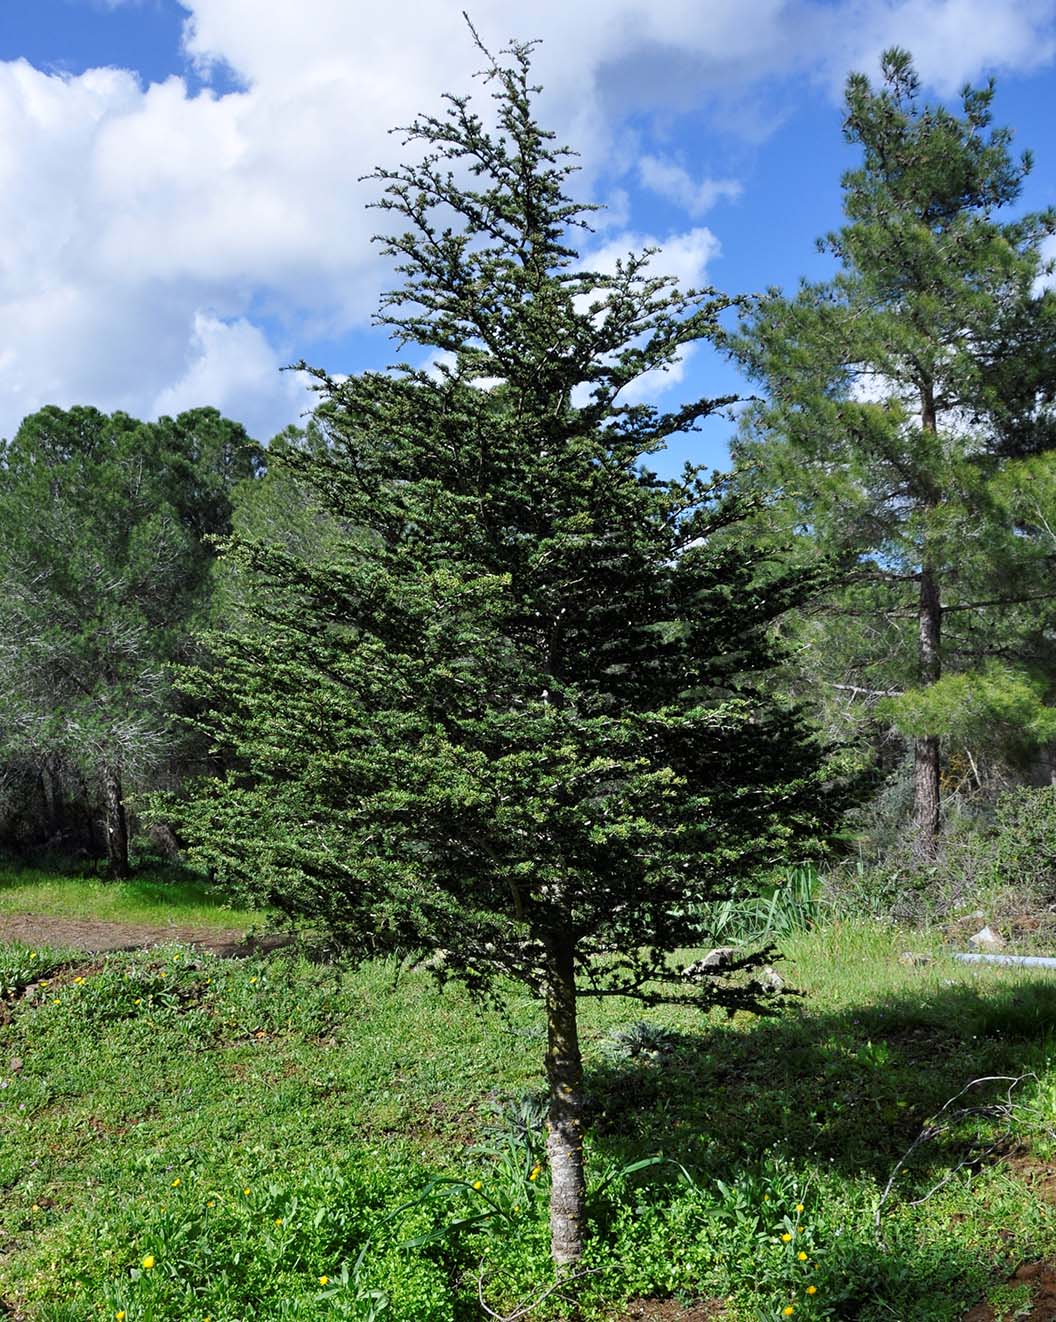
{"x":515,"y":713}
{"x":104,"y":565}
{"x":897,"y":391}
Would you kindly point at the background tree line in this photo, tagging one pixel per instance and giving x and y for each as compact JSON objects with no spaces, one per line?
{"x":904,"y":444}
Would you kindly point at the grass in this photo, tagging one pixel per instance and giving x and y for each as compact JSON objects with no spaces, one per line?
{"x":188,"y":1137}
{"x":155,"y":896}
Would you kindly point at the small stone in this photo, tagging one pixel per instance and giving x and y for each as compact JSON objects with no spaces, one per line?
{"x":16,"y":1064}
{"x":771,"y":979}
{"x":913,"y":960}
{"x":986,"y":939}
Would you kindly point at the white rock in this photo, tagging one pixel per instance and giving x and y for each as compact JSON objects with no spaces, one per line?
{"x":986,"y":939}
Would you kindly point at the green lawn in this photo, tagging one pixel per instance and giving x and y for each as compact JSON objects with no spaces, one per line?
{"x":249,"y":1128}
{"x":157,"y":896}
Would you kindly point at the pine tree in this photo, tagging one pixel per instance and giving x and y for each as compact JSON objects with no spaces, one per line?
{"x":896,"y":388}
{"x":515,"y":716}
{"x":103,"y":566}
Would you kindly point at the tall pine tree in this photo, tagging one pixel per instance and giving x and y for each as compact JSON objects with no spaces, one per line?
{"x":895,"y":389}
{"x":514,"y":716}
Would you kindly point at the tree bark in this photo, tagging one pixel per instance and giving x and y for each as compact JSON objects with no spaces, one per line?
{"x":116,"y":823}
{"x":927,"y":764}
{"x":564,"y":1072}
{"x":51,"y":798}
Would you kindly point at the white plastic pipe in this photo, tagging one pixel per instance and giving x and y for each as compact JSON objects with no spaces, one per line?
{"x":1030,"y":961}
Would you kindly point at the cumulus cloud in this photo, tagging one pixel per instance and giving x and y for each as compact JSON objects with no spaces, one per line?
{"x":952,"y":41}
{"x":155,"y":242}
{"x":674,"y":182}
{"x":232,"y":365}
{"x":684,"y":256}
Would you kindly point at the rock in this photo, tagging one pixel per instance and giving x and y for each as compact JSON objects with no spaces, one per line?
{"x":771,"y":979}
{"x":16,"y":1064}
{"x":714,"y":959}
{"x":913,"y":960}
{"x":986,"y":939}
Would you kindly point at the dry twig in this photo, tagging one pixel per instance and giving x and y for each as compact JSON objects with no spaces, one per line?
{"x":943,"y":1121}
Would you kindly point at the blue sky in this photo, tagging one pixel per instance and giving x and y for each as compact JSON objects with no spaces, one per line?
{"x":180,"y":205}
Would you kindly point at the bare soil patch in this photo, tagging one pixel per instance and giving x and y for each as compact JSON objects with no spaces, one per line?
{"x":1041,"y":1279}
{"x":97,"y":937}
{"x":669,"y":1310}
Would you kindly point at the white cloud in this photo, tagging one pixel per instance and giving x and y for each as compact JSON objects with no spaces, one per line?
{"x":233,"y":366}
{"x":952,"y":41}
{"x":1048,"y":254}
{"x":684,"y":256}
{"x":674,"y":182}
{"x":147,"y":235}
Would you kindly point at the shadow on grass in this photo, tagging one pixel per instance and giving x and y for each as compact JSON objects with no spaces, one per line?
{"x":839,"y":1097}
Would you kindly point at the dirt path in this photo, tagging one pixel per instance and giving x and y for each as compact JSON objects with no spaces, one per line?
{"x":95,"y":937}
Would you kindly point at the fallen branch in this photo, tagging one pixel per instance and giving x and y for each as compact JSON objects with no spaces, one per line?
{"x":522,"y":1310}
{"x":943,"y":1121}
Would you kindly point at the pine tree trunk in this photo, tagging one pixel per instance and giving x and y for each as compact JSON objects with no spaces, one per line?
{"x":49,"y":794}
{"x":564,"y":1072}
{"x":116,"y":823}
{"x":927,"y":765}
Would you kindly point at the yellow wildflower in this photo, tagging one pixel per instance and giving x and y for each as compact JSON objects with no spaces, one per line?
{"x":246,"y":1192}
{"x":800,"y":1207}
{"x":785,"y":1237}
{"x":148,"y":1262}
{"x":77,"y":981}
{"x":176,"y":1182}
{"x":278,"y":1220}
{"x":324,"y":1280}
{"x":801,"y":1256}
{"x":812,"y":1289}
{"x":534,"y":1175}
{"x":476,"y":1184}
{"x":120,"y":1315}
{"x":788,"y":1311}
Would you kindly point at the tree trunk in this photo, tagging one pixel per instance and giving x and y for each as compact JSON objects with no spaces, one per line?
{"x":116,"y":823}
{"x":49,"y":794}
{"x":564,"y":1072}
{"x":927,"y":765}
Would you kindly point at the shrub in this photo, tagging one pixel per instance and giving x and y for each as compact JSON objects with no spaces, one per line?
{"x":1024,"y":846}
